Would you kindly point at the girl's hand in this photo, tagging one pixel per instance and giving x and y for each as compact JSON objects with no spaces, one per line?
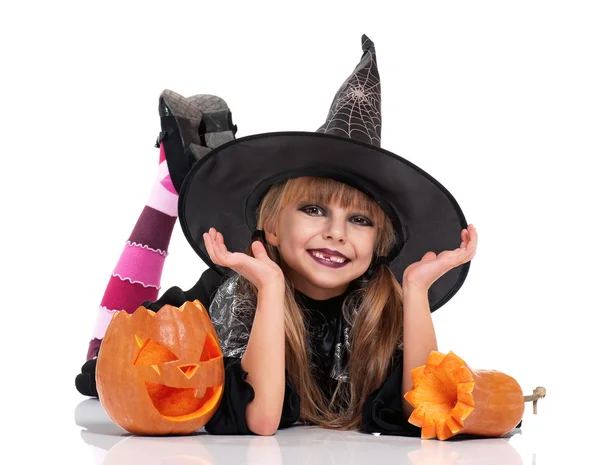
{"x":260,"y":270}
{"x":431,"y":267}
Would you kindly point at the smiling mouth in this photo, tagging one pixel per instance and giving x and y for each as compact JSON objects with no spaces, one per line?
{"x":332,"y":262}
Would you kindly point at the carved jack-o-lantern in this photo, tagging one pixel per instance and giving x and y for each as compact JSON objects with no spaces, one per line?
{"x":161,"y":372}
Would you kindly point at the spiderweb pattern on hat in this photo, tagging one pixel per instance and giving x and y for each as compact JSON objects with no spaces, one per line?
{"x":356,"y":109}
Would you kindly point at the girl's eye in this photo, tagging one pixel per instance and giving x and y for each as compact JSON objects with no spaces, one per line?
{"x":363,"y":221}
{"x":312,"y":210}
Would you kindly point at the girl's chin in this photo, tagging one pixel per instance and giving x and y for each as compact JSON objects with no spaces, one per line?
{"x":330,"y":280}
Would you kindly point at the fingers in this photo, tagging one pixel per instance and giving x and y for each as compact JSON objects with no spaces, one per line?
{"x":221,"y":249}
{"x":429,"y":256}
{"x":259,"y":250}
{"x":216,"y":248}
{"x":467,"y":236}
{"x":464,"y":236}
{"x":474,"y":238}
{"x":208,"y":243}
{"x":468,"y":246}
{"x":471,"y":240}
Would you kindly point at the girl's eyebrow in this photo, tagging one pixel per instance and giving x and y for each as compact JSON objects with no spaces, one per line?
{"x":353,"y":210}
{"x":357,"y":211}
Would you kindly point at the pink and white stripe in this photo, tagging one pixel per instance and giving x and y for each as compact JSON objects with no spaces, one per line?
{"x":163,"y":196}
{"x":140,"y":265}
{"x":102,"y":320}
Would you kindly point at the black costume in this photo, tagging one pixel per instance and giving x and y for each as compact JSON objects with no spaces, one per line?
{"x":382,"y":412}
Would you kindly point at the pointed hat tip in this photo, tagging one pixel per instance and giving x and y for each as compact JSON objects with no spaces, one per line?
{"x":367,"y":44}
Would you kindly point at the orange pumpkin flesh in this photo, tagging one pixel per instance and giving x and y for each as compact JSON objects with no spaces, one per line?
{"x":161,"y":372}
{"x":450,"y":398}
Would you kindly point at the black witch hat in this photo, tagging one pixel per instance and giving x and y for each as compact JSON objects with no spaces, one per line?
{"x":225,"y":187}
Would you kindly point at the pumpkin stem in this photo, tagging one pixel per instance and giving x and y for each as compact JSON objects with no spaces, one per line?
{"x":538,"y":393}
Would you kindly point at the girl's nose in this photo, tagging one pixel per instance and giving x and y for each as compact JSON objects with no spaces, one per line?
{"x":336,"y":229}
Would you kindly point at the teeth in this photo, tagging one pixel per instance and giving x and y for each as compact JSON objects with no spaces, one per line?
{"x":332,"y":258}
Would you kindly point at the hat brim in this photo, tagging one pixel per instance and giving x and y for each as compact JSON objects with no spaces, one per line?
{"x":224,"y":188}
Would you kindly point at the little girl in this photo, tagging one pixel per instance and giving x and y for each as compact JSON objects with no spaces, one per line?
{"x":324,"y":314}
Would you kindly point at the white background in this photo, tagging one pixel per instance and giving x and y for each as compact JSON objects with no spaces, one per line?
{"x":499,"y":101}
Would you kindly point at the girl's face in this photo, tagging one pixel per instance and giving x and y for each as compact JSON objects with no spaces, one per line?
{"x":306,"y":230}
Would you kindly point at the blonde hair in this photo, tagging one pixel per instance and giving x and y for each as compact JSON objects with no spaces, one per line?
{"x":373,"y":311}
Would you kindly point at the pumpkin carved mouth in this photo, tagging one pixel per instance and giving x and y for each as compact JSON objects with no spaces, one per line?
{"x":181,"y":403}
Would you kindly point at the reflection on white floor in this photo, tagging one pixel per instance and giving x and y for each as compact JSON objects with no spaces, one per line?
{"x":111,"y":445}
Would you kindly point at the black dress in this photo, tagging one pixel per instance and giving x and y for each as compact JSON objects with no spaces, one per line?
{"x":382,"y":411}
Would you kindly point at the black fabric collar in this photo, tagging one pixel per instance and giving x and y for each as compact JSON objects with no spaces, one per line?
{"x":334,"y":303}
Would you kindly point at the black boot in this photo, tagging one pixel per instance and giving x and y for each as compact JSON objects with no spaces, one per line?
{"x":191,"y":128}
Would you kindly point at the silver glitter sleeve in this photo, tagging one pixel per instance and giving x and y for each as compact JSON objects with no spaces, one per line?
{"x":232,"y":314}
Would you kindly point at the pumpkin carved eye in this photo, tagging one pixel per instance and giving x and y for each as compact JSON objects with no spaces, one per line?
{"x":152,"y":353}
{"x":211,"y":349}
